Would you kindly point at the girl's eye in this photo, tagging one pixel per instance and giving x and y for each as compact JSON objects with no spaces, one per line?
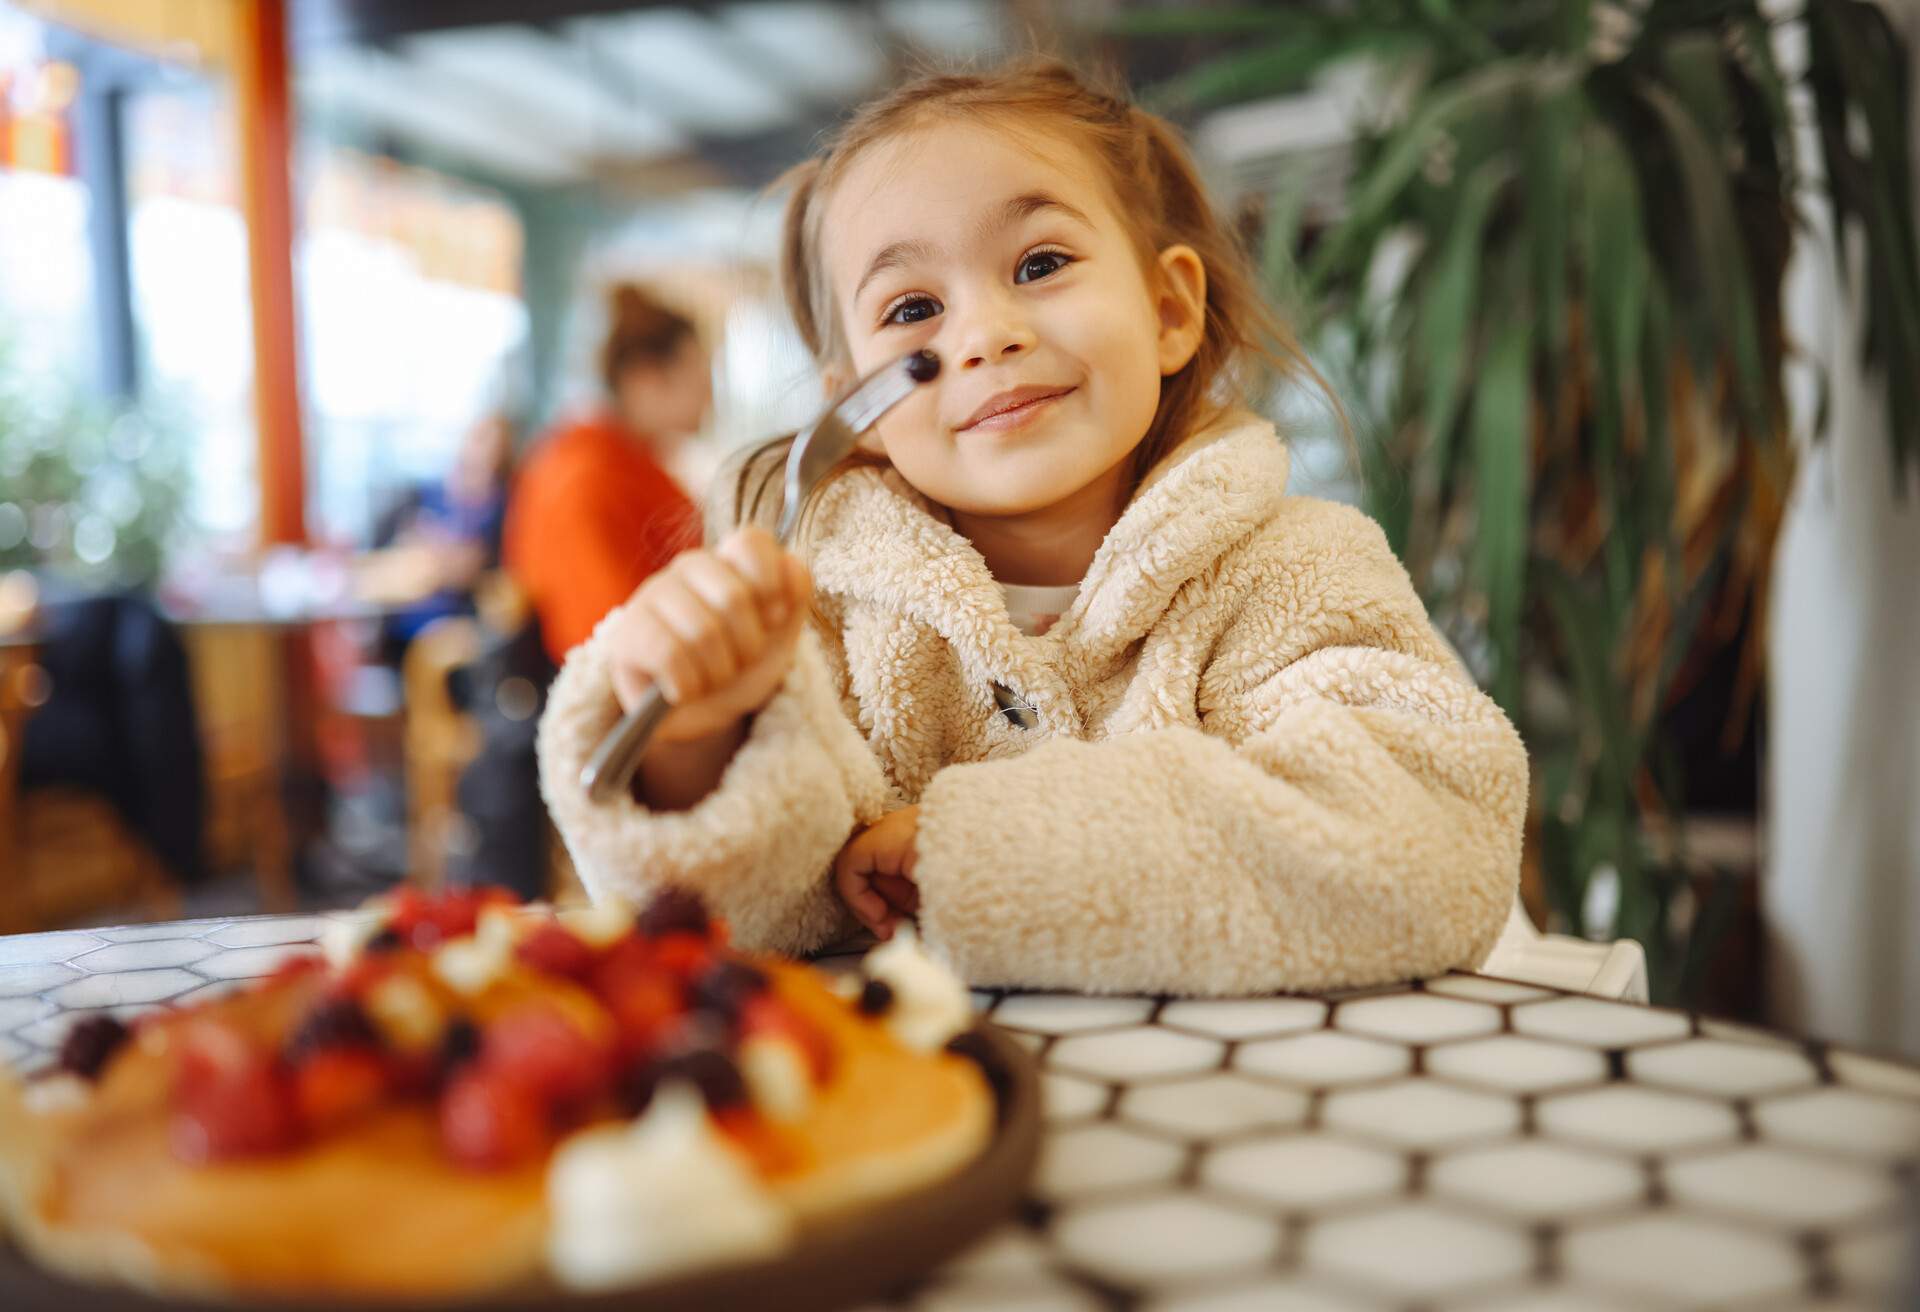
{"x":1040,"y":264}
{"x":911,"y":309}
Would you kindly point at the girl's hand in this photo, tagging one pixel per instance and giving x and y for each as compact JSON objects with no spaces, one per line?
{"x":716,"y":630}
{"x":873,"y":874}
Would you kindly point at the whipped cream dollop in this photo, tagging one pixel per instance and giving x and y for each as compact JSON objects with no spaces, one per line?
{"x":930,"y":1003}
{"x":654,"y":1197}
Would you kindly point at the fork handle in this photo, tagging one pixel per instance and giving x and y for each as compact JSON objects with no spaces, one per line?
{"x":609,"y":771}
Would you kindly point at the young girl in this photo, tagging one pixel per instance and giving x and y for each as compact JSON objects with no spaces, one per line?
{"x":1064,"y":674}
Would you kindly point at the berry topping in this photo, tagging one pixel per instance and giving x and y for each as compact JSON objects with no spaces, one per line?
{"x":489,"y":1120}
{"x":335,"y":1084}
{"x":229,"y":1097}
{"x":556,"y":951}
{"x":541,"y":1049}
{"x":709,"y":1070}
{"x":767,"y":1015}
{"x":724,"y":987}
{"x":332,"y":1022}
{"x":90,"y":1044}
{"x":876,"y":998}
{"x":459,"y":1044}
{"x":427,"y":922}
{"x":674,"y":910}
{"x":384,"y":939}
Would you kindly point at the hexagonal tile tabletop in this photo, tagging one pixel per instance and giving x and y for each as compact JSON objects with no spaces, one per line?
{"x":1465,"y":1142}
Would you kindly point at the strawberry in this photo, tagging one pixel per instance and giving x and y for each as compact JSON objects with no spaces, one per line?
{"x":427,"y":922}
{"x":540,"y":1049}
{"x":766,"y":1014}
{"x":557,"y":951}
{"x":644,"y":1004}
{"x":489,"y":1120}
{"x":230,"y":1099}
{"x":335,"y":1084}
{"x":683,"y":955}
{"x":770,"y":1151}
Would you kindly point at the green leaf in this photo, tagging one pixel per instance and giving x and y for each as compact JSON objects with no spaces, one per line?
{"x":1719,"y":247}
{"x":1406,"y":150}
{"x":1614,"y":284}
{"x":1445,"y":322}
{"x":1502,"y":442}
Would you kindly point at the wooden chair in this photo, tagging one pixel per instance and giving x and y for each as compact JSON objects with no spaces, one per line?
{"x":239,"y":700}
{"x":65,"y":855}
{"x":439,"y":740}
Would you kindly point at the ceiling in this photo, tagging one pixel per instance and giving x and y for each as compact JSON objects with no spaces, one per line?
{"x":589,"y":97}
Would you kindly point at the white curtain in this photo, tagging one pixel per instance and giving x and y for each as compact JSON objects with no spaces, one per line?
{"x":1841,"y":889}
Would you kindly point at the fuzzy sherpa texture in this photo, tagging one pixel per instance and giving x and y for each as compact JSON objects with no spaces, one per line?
{"x":1251,"y":765}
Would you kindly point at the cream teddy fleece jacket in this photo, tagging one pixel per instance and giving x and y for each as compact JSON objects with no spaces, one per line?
{"x":1249,"y":764}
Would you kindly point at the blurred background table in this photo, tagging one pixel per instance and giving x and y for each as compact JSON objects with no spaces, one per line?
{"x":1467,"y":1142}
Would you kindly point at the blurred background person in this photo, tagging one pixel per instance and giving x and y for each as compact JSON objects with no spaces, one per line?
{"x":443,"y":535}
{"x":598,"y":507}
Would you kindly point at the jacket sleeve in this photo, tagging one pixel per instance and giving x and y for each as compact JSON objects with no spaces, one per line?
{"x":759,"y":846}
{"x":1348,"y":812}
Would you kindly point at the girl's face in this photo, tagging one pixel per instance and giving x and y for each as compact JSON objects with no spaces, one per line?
{"x":1005,"y":255}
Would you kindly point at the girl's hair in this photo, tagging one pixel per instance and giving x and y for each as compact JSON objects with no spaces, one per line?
{"x":1153,"y":184}
{"x":640,"y":331}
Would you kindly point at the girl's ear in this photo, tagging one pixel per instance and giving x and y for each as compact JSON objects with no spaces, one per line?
{"x":1182,"y":305}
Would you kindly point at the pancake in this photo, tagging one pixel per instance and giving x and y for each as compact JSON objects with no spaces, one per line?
{"x":94,"y":1184}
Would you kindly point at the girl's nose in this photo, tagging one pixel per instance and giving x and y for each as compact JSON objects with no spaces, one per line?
{"x":994,"y":335}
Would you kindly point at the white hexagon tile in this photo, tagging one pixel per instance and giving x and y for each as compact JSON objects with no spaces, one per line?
{"x":1470,"y":1143}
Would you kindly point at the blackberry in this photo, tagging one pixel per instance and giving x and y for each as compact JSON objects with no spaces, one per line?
{"x":709,"y":1070}
{"x":90,"y":1044}
{"x":459,"y":1044}
{"x":674,"y":910}
{"x":330,"y":1023}
{"x":876,"y":998}
{"x":725,"y":988}
{"x":386,"y":940}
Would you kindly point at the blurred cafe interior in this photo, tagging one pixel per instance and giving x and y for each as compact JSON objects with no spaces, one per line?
{"x":290,"y":289}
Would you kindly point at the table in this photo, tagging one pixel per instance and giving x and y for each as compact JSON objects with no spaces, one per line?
{"x":1466,"y":1143}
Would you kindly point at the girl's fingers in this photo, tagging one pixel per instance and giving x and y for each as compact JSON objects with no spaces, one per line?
{"x":867,"y":906}
{"x":701,"y":634}
{"x":799,"y":586}
{"x":903,"y":895}
{"x":759,"y":559}
{"x":728,"y":596}
{"x":655,"y":654}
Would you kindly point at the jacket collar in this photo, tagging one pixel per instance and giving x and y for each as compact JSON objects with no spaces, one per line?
{"x":874,"y":539}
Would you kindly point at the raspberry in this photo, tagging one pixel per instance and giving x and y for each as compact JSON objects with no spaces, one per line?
{"x":489,"y":1120}
{"x":556,"y":951}
{"x":229,"y":1098}
{"x":541,"y":1050}
{"x":90,"y":1044}
{"x":335,"y":1084}
{"x":684,"y":956}
{"x":427,"y":922}
{"x":674,"y":910}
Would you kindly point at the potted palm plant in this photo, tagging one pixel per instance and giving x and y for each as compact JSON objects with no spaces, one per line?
{"x":1557,"y":268}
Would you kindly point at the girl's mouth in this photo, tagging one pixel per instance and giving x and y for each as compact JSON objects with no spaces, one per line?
{"x":1012,"y":409}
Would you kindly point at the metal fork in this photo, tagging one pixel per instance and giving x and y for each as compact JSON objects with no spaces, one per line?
{"x":609,"y":771}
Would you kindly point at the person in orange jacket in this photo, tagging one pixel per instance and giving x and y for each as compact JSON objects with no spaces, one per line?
{"x":594,"y":510}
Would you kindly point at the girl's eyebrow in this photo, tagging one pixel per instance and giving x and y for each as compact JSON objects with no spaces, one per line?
{"x":899,"y":254}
